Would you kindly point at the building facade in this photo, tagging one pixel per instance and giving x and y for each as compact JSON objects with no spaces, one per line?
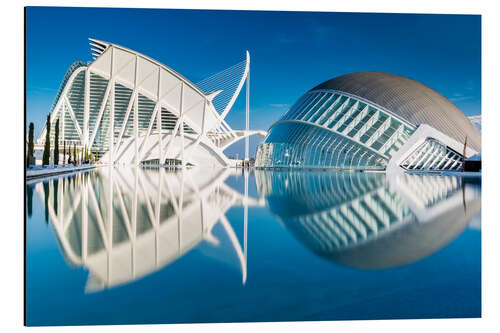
{"x":127,"y":108}
{"x":370,"y":121}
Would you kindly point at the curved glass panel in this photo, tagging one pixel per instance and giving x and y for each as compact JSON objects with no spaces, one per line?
{"x":299,"y":145}
{"x":345,"y":116}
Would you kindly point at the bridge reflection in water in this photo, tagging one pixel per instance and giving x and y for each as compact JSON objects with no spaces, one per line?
{"x":366,"y":221}
{"x":125,"y":223}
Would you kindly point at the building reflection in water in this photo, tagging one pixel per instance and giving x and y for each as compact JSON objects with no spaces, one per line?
{"x":125,"y":223}
{"x":366,"y":221}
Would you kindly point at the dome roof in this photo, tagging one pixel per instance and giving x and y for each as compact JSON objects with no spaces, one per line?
{"x":409,"y":99}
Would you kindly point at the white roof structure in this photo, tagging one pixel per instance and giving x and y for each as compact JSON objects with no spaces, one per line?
{"x":128,"y":108}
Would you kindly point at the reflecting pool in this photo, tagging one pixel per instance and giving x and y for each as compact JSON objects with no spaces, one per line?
{"x":146,"y":245}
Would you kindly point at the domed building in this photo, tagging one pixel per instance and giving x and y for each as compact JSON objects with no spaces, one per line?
{"x":370,"y":121}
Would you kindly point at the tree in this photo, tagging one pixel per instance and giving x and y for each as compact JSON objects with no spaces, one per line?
{"x":31,"y":145}
{"x":29,"y":193}
{"x":56,"y":144}
{"x":46,"y":148}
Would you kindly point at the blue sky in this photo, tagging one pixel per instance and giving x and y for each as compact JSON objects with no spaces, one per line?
{"x":291,"y":52}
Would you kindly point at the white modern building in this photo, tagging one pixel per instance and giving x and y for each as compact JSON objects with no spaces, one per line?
{"x":127,"y":108}
{"x":371,"y":121}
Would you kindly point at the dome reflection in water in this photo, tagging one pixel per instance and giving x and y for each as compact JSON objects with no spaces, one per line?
{"x":368,"y":221}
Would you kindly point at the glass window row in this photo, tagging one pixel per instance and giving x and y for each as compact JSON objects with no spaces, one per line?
{"x":352,"y":117}
{"x":302,"y":145}
{"x":97,"y":90}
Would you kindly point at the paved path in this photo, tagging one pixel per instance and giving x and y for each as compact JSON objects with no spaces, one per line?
{"x":42,"y":172}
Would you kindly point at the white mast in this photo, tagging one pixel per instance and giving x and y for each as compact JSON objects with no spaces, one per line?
{"x":247,"y":114}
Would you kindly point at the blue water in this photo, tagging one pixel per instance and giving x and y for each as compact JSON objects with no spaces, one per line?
{"x":424,"y":263}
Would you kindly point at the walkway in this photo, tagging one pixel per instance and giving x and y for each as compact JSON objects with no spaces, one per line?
{"x":38,"y":171}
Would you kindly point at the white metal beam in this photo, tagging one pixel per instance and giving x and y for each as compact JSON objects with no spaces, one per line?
{"x":73,"y":117}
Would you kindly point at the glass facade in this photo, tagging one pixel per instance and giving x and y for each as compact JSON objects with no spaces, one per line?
{"x":330,"y":129}
{"x":97,"y":89}
{"x":301,"y":145}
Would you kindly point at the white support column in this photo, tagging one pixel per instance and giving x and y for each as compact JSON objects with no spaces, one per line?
{"x":182,"y":126}
{"x":112,"y":124}
{"x":160,"y":143}
{"x":73,"y":117}
{"x":125,"y":120}
{"x":158,"y":119}
{"x":148,"y":132}
{"x":100,"y":114}
{"x":172,"y":137}
{"x":86,"y":107}
{"x":136,"y":118}
{"x":112,"y":110}
{"x":136,"y":131}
